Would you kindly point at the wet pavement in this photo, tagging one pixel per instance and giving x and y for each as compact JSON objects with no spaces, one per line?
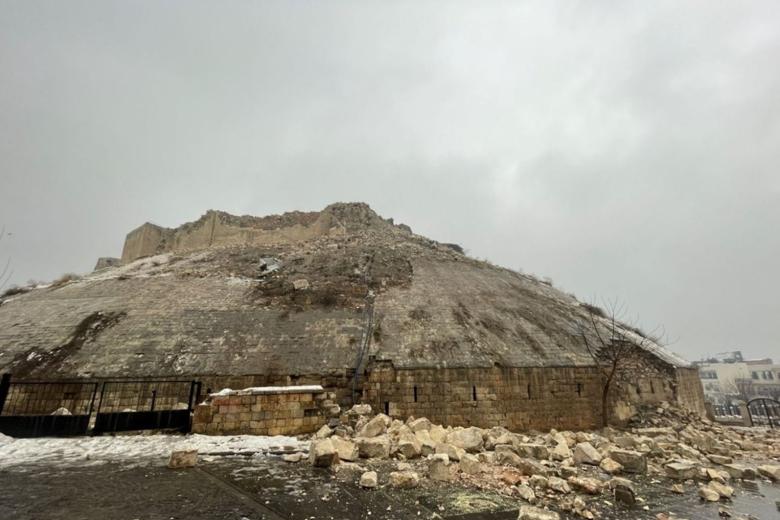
{"x":265,"y":488}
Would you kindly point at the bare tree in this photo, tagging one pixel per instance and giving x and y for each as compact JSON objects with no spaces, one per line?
{"x":622,"y":351}
{"x":5,"y":271}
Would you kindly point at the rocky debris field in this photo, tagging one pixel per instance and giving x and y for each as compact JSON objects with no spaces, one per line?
{"x":577,"y":474}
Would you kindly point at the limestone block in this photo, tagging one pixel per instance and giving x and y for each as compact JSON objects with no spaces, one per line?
{"x":610,"y":466}
{"x":470,"y":464}
{"x":439,"y":467}
{"x":585,"y":453}
{"x":183,"y":459}
{"x":322,"y":453}
{"x":469,"y":439}
{"x":346,"y":449}
{"x":535,"y":513}
{"x":632,"y":461}
{"x":373,"y":447}
{"x":404,"y":479}
{"x":374,"y":427}
{"x":368,"y":479}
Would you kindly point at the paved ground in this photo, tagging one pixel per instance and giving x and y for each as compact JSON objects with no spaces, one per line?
{"x":264,"y":488}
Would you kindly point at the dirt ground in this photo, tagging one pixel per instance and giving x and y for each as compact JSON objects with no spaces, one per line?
{"x":265,"y":488}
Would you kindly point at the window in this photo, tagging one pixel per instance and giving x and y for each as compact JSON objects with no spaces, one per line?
{"x":579,"y":389}
{"x":387,"y":407}
{"x":754,"y":375}
{"x":415,"y":394}
{"x":528,"y":390}
{"x":473,"y":393}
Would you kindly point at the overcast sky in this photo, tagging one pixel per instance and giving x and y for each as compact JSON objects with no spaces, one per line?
{"x":625,"y":149}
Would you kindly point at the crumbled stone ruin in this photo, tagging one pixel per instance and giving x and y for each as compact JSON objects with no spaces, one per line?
{"x":406,"y":362}
{"x":341,"y":298}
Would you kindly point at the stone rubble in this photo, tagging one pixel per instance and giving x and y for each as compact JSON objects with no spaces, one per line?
{"x":573,"y":472}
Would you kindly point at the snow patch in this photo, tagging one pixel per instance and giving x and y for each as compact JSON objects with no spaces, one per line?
{"x":300,"y":389}
{"x":133,"y":449}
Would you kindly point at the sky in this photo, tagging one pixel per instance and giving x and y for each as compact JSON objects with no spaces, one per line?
{"x":627,"y":150}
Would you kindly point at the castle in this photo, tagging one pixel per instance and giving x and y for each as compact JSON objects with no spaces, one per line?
{"x":340,"y":298}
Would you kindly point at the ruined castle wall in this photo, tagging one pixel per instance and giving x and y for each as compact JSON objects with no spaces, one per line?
{"x":516,"y":398}
{"x":290,"y":412}
{"x":519,"y":398}
{"x":690,"y":393}
{"x":142,"y":241}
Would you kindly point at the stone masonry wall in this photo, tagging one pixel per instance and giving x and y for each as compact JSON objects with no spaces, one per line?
{"x":263,"y":411}
{"x":517,"y":398}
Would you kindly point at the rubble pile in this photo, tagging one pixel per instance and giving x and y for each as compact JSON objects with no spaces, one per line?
{"x":576,"y":472}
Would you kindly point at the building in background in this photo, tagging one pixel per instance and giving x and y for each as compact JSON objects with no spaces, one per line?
{"x":728,"y":379}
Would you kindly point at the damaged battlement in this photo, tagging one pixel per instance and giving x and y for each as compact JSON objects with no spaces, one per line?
{"x":217,"y":228}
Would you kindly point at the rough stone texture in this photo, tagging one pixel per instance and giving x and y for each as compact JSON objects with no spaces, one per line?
{"x":632,"y":461}
{"x":347,"y":450}
{"x":183,"y":459}
{"x":261,"y":414}
{"x":368,"y":479}
{"x":535,"y":513}
{"x":439,"y":467}
{"x":770,"y":471}
{"x":404,"y":479}
{"x":373,"y":447}
{"x":585,"y":453}
{"x":322,"y":453}
{"x":453,"y":339}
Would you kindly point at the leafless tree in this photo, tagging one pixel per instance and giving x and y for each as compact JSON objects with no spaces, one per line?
{"x":5,"y":271}
{"x":621,"y":350}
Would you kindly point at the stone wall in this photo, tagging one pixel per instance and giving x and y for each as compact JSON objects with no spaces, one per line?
{"x":263,"y":411}
{"x":142,"y":241}
{"x":518,"y":398}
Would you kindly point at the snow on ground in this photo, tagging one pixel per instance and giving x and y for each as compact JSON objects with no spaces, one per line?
{"x":132,"y":449}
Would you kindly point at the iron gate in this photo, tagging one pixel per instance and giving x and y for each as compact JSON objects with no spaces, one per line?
{"x":764,"y":411}
{"x":145,"y":405}
{"x":45,"y":408}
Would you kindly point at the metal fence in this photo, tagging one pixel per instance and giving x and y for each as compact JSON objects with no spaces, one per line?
{"x":62,"y":408}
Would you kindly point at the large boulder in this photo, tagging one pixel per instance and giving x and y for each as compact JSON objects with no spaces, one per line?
{"x":469,"y":439}
{"x":585,"y":453}
{"x":409,"y":447}
{"x":427,"y":445}
{"x":533,"y":450}
{"x":770,"y":471}
{"x":587,"y":485}
{"x":470,"y":464}
{"x":183,"y":459}
{"x":451,"y":451}
{"x":368,"y":479}
{"x":740,"y":471}
{"x":373,"y":447}
{"x":404,"y":479}
{"x":347,"y":450}
{"x":322,"y":453}
{"x":632,"y":461}
{"x":561,"y":451}
{"x":360,"y":409}
{"x":439,"y":467}
{"x":558,"y":484}
{"x":681,"y":470}
{"x":610,"y":466}
{"x":375,"y":427}
{"x":438,"y":433}
{"x":420,"y":424}
{"x":525,"y":492}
